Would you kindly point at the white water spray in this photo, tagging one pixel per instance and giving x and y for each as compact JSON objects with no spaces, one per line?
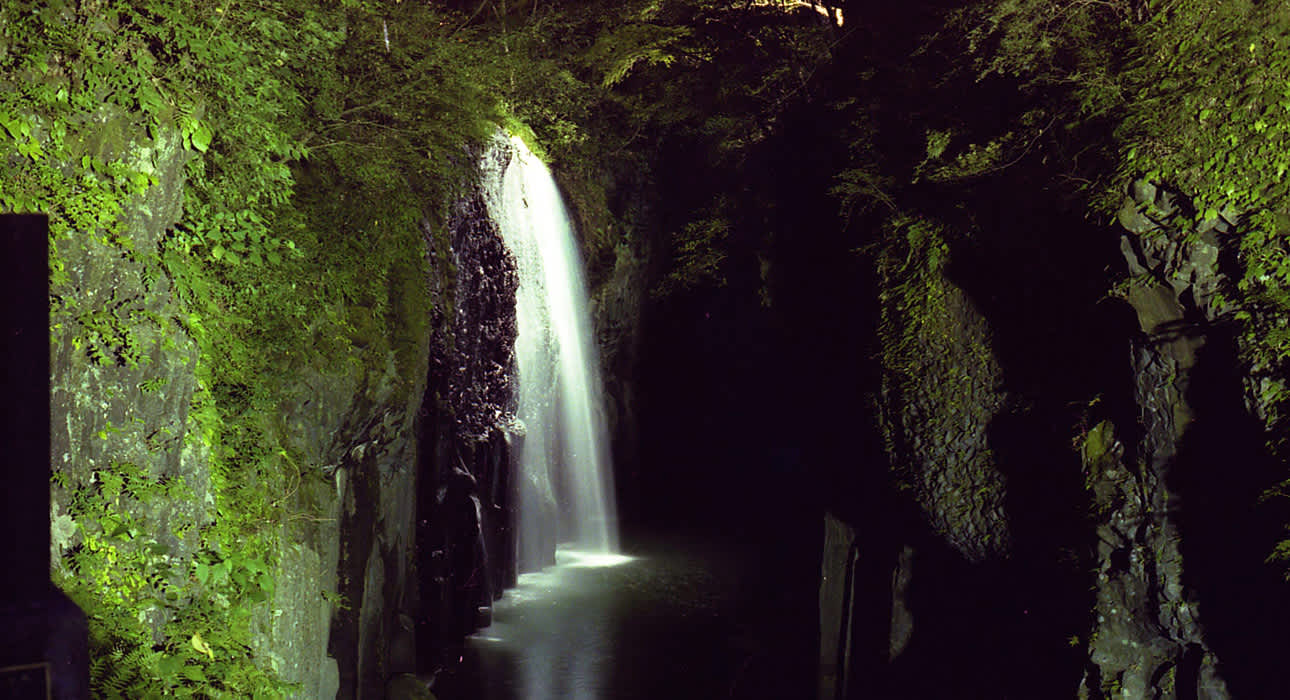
{"x":564,"y":459}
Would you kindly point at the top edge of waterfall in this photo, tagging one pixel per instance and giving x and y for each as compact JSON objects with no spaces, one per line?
{"x":512,"y":128}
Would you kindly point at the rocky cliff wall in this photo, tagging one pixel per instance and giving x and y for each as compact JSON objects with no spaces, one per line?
{"x":941,"y":389}
{"x":1078,"y":496}
{"x":1147,"y":639}
{"x":1170,"y":597}
{"x":243,"y":538}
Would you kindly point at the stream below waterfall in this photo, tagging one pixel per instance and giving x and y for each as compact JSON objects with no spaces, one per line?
{"x":678,"y":619}
{"x":676,"y":616}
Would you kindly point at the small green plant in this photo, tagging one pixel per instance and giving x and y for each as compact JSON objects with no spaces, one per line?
{"x":151,"y":386}
{"x":337,"y":600}
{"x":154,"y":630}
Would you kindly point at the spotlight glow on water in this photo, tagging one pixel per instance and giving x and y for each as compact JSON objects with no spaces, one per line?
{"x":590,"y":560}
{"x":658,"y":624}
{"x":569,"y":578}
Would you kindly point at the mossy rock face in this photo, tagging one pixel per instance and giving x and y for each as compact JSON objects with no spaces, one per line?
{"x":364,"y":328}
{"x":408,"y":317}
{"x":1103,"y":472}
{"x":136,"y":407}
{"x":122,"y":372}
{"x":106,"y":135}
{"x":942,"y":386}
{"x":1172,"y":257}
{"x":132,"y":473}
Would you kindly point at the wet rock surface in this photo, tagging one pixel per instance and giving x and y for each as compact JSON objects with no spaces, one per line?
{"x":466,"y":502}
{"x":479,"y":366}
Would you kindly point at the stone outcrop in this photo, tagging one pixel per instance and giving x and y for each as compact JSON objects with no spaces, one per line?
{"x":121,"y":389}
{"x":922,"y":561}
{"x":374,"y":471}
{"x":941,"y":388}
{"x":123,"y":382}
{"x":837,"y":615}
{"x":113,"y":400}
{"x":616,"y":309}
{"x":1147,"y":639}
{"x":468,"y":496}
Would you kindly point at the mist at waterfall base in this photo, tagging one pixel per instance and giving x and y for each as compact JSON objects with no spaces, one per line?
{"x":690,"y":608}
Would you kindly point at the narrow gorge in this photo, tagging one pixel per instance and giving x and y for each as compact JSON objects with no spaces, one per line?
{"x":553,"y":349}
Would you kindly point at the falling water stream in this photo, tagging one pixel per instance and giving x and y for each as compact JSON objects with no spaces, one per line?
{"x":564,"y":462}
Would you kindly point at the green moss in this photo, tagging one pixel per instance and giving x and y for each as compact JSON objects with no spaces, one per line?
{"x":1168,"y":682}
{"x":408,"y":318}
{"x":1097,"y":442}
{"x":273,"y":271}
{"x":914,"y":300}
{"x":525,"y":133}
{"x":939,"y":373}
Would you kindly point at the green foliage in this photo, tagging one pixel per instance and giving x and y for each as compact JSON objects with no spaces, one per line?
{"x":337,"y":600}
{"x":259,"y":98}
{"x":976,"y":158}
{"x":645,"y":43}
{"x":699,"y":254}
{"x":108,"y":333}
{"x":1210,"y":119}
{"x":1197,"y":100}
{"x":861,"y":189}
{"x":911,"y":263}
{"x":158,"y":627}
{"x":153,"y":385}
{"x":609,"y":90}
{"x":1041,"y":42}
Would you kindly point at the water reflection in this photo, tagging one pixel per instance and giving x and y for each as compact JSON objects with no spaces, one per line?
{"x":602,"y":627}
{"x":555,"y":624}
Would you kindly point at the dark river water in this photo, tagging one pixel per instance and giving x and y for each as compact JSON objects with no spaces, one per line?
{"x":675,"y":618}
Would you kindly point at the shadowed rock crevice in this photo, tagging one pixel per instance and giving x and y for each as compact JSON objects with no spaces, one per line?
{"x":1226,"y":531}
{"x":466,"y":493}
{"x":1023,"y":299}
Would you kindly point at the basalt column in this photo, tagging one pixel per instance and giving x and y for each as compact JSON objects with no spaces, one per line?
{"x":466,"y":505}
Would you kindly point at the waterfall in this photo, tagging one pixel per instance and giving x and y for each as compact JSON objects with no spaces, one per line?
{"x":564,"y":466}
